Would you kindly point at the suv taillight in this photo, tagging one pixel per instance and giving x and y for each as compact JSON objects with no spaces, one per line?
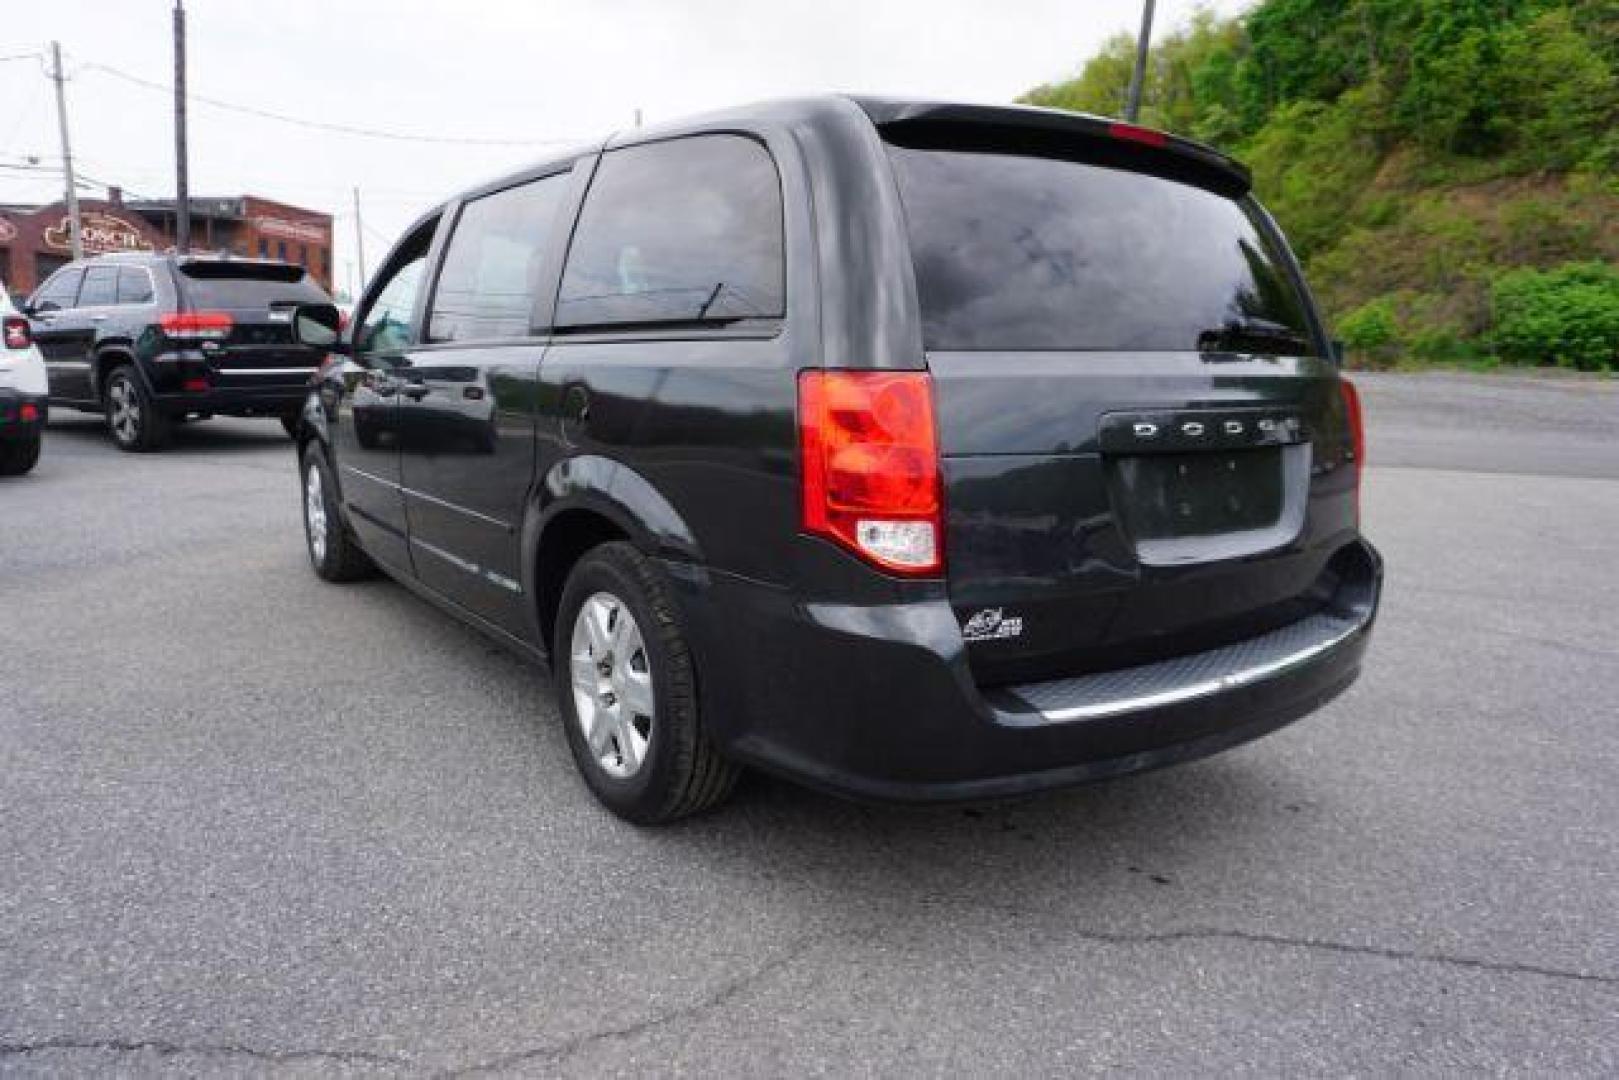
{"x":17,"y":335}
{"x":196,"y":325}
{"x":869,"y":463}
{"x":1357,"y":433}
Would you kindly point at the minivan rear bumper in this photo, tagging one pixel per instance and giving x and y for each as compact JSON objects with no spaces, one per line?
{"x":880,"y":703}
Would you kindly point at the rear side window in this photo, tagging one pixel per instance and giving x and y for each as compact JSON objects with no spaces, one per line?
{"x":100,"y":287}
{"x":248,"y":285}
{"x":492,"y":267}
{"x":1026,"y":253}
{"x":688,"y":230}
{"x":134,"y":285}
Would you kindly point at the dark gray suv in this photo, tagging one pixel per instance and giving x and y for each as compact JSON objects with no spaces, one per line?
{"x":148,"y":340}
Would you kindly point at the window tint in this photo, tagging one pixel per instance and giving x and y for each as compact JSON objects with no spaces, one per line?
{"x":240,"y":286}
{"x":677,"y":231}
{"x":61,"y":290}
{"x":389,"y":321}
{"x":490,"y":277}
{"x":1018,"y":252}
{"x":134,"y":285}
{"x":100,"y":287}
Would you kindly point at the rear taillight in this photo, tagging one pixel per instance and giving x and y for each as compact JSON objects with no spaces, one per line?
{"x":1357,"y":434}
{"x":17,"y":335}
{"x":196,"y":325}
{"x":870,"y":466}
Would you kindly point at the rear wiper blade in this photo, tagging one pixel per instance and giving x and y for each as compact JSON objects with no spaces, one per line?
{"x":1251,"y":329}
{"x":714,"y":294}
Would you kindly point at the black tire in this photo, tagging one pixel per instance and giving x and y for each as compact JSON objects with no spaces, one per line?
{"x":17,"y":456}
{"x":338,"y":556}
{"x":290,"y":423}
{"x":133,"y":420}
{"x":682,"y":773}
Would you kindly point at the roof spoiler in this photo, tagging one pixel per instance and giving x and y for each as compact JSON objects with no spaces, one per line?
{"x":1056,"y":133}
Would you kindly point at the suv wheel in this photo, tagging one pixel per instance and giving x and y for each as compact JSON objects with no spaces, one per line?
{"x":627,"y":691}
{"x":17,"y":456}
{"x":132,"y":419}
{"x":332,"y":551}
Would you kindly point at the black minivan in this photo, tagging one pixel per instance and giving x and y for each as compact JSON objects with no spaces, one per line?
{"x":912,"y":450}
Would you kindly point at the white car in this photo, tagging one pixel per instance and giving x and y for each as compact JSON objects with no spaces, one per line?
{"x":23,"y":392}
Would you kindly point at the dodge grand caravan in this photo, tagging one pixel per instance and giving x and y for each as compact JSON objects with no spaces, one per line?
{"x":915,"y":451}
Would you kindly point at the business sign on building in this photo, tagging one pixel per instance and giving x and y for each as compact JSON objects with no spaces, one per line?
{"x":100,"y":233}
{"x":285,"y":229}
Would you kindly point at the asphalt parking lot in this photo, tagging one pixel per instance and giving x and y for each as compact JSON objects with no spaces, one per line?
{"x":252,"y":822}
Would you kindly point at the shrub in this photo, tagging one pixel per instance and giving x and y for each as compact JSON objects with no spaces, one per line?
{"x":1370,"y":326}
{"x":1567,"y":316}
{"x":1371,"y":332}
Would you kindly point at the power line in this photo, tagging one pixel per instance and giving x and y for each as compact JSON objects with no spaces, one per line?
{"x":321,"y":125}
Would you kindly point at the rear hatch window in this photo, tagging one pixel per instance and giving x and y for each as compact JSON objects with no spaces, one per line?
{"x":241,"y":286}
{"x":1019,"y":252}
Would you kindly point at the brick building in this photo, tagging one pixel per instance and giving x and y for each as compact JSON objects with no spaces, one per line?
{"x":34,"y":239}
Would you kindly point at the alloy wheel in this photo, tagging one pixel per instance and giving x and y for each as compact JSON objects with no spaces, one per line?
{"x":315,"y":512}
{"x":125,"y":406}
{"x":612,"y":685}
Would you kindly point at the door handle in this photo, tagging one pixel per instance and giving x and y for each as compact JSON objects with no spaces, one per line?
{"x":415,"y":391}
{"x":98,"y":318}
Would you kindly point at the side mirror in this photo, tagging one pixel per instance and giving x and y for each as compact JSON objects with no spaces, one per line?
{"x":319,"y":326}
{"x":44,"y":306}
{"x":1336,"y":351}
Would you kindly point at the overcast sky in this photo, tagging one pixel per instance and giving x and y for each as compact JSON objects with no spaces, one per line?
{"x":527,"y":72}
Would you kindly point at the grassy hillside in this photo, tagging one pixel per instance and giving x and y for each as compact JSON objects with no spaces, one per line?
{"x":1447,"y":169}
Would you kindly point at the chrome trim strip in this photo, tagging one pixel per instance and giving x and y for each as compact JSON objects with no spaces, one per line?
{"x":454,"y":560}
{"x":1192,"y":691}
{"x":468,"y":566}
{"x":373,"y":477}
{"x":436,"y":501}
{"x":504,"y":582}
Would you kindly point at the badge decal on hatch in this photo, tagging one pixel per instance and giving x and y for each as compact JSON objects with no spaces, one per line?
{"x":992,"y":624}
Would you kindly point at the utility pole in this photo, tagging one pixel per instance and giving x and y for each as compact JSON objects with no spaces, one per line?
{"x":182,"y":186}
{"x":359,"y":237}
{"x":1132,"y":106}
{"x":75,"y":230}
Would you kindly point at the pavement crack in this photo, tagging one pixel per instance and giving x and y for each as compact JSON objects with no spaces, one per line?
{"x":1503,"y":967}
{"x":165,"y":1048}
{"x":1473,"y":963}
{"x":718,"y":997}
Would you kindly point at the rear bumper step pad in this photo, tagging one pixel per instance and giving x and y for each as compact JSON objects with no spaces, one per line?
{"x":1187,"y":678}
